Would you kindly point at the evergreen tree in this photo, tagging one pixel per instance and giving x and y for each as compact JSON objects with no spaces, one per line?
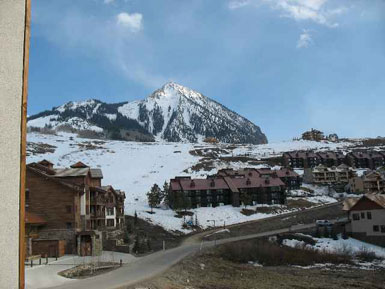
{"x":245,"y":198}
{"x":166,"y":194}
{"x":154,"y":196}
{"x":177,"y":201}
{"x":186,"y":202}
{"x":136,"y":247}
{"x":136,"y":218}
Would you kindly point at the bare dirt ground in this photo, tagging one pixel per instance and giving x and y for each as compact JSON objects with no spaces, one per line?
{"x":207,"y":271}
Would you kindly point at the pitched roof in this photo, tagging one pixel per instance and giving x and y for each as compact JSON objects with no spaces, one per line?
{"x":376,"y":198}
{"x":45,"y":162}
{"x":79,"y":165}
{"x":285,"y":172}
{"x":71,"y":172}
{"x":203,"y":184}
{"x":96,"y":173}
{"x":349,"y":203}
{"x":36,"y":168}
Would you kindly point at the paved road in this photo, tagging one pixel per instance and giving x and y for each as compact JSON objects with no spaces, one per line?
{"x":154,"y":264}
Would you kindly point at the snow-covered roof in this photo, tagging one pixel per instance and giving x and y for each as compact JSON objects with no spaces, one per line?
{"x":71,"y":172}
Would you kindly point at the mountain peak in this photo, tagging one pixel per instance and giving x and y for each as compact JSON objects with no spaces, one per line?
{"x":172,"y":90}
{"x":173,"y":113}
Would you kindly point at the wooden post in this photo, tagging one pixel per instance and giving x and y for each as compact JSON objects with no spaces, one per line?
{"x":121,"y":263}
{"x":164,"y":245}
{"x":31,"y":263}
{"x":23,"y":149}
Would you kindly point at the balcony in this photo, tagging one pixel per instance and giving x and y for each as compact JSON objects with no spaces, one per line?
{"x":99,"y":200}
{"x":98,"y":214}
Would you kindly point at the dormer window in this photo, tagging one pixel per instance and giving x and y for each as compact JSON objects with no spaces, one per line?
{"x":267,"y":181}
{"x":248,"y":182}
{"x":212,"y":183}
{"x":192,"y":184}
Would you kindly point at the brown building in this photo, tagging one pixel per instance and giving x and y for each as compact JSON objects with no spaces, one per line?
{"x":365,"y":159}
{"x":62,"y":197}
{"x":313,"y":135}
{"x":366,"y":218}
{"x":370,"y":182}
{"x":331,"y":159}
{"x":290,"y":178}
{"x":230,"y":187}
{"x":301,"y":159}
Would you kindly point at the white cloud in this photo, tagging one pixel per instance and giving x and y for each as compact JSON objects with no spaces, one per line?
{"x":313,"y":10}
{"x":103,"y":39}
{"x":235,"y":4}
{"x":304,"y":40}
{"x":130,"y":21}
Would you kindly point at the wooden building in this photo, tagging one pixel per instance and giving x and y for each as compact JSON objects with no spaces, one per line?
{"x":63,"y":198}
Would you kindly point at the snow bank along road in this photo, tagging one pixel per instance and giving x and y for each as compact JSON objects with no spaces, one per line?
{"x":154,"y":264}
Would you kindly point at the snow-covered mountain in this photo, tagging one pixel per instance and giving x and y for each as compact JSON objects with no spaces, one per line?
{"x":173,"y":113}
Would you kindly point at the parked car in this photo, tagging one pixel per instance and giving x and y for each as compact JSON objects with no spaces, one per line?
{"x":323,"y":223}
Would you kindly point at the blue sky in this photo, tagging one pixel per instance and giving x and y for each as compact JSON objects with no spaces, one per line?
{"x":286,"y":65}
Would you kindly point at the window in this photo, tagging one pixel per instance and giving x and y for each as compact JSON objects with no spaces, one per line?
{"x":110,"y":223}
{"x":69,"y":225}
{"x":68,"y":209}
{"x":383,"y":229}
{"x":362,"y":215}
{"x":375,"y":228}
{"x":356,"y":217}
{"x":369,"y":215}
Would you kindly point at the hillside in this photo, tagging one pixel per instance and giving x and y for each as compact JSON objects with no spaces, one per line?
{"x":134,"y":167}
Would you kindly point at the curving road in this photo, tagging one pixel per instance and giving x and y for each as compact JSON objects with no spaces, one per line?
{"x":154,"y":264}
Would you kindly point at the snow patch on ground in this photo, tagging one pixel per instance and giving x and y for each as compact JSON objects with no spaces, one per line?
{"x":134,"y":167}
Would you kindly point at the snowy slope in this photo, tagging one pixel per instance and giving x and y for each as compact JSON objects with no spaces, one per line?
{"x":173,"y":113}
{"x":134,"y":167}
